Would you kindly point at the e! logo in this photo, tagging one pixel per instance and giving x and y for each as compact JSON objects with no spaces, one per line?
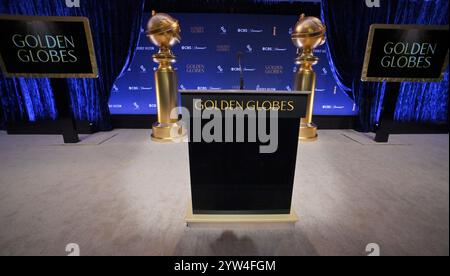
{"x":73,"y":3}
{"x":73,"y":249}
{"x":373,"y":249}
{"x":373,"y":3}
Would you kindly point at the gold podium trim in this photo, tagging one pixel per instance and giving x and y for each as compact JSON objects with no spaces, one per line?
{"x":291,"y":218}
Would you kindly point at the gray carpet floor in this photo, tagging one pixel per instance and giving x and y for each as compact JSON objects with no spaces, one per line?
{"x":120,"y":194}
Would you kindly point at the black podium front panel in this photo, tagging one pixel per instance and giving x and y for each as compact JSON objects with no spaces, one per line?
{"x":234,"y":177}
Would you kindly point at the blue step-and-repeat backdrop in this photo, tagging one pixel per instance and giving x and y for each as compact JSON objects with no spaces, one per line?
{"x":207,"y":59}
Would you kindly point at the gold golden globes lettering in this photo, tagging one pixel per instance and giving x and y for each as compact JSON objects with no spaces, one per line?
{"x":164,"y":32}
{"x":408,"y":55}
{"x":43,"y":49}
{"x":288,"y":106}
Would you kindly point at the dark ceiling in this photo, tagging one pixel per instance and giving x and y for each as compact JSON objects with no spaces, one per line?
{"x":233,"y":6}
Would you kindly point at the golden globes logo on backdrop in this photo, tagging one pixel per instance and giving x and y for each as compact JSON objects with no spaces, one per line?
{"x":41,"y":46}
{"x":273,"y":69}
{"x":195,"y":68}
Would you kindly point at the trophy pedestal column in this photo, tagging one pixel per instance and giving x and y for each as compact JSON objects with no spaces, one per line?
{"x":306,"y":81}
{"x":167,"y":128}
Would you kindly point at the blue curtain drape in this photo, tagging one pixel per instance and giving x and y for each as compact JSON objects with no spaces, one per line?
{"x":115,"y":26}
{"x":423,"y":102}
{"x":348,"y":25}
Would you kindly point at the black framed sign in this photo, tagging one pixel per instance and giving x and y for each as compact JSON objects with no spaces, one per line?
{"x":47,"y":46}
{"x":415,"y":53}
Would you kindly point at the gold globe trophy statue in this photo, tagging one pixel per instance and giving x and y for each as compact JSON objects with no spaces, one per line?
{"x":164,"y":32}
{"x":308,"y":34}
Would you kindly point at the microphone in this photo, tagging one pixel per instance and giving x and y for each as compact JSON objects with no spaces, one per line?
{"x":241,"y":73}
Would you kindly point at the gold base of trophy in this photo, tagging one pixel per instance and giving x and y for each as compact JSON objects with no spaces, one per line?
{"x":308,"y":133}
{"x":167,"y":133}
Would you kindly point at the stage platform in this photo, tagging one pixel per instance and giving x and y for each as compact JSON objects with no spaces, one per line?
{"x":118,"y":193}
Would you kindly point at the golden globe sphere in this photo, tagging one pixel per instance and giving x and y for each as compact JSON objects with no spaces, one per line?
{"x":308,"y":33}
{"x":163,"y":30}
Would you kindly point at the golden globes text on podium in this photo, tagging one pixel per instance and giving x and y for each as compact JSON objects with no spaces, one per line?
{"x":164,"y":32}
{"x":308,"y":34}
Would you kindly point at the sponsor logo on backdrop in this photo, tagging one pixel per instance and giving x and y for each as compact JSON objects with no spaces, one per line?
{"x":288,"y":88}
{"x":273,"y":69}
{"x":324,"y":71}
{"x":115,"y":106}
{"x":245,"y":69}
{"x":335,"y":90}
{"x":193,"y":48}
{"x":223,"y":30}
{"x":333,"y":107}
{"x":320,"y":51}
{"x":274,"y":31}
{"x":142,"y":69}
{"x":145,"y":48}
{"x":273,"y":49}
{"x":182,"y":87}
{"x":195,"y":68}
{"x":246,"y":30}
{"x":136,"y":106}
{"x":223,"y":48}
{"x":290,"y":31}
{"x":115,"y":88}
{"x":260,"y":88}
{"x":153,"y":105}
{"x":248,"y":49}
{"x":197,"y":30}
{"x":320,"y":90}
{"x":256,"y":31}
{"x":219,"y":69}
{"x":135,"y":88}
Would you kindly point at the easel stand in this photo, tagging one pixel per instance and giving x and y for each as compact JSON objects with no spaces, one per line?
{"x":65,"y":114}
{"x":387,"y":118}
